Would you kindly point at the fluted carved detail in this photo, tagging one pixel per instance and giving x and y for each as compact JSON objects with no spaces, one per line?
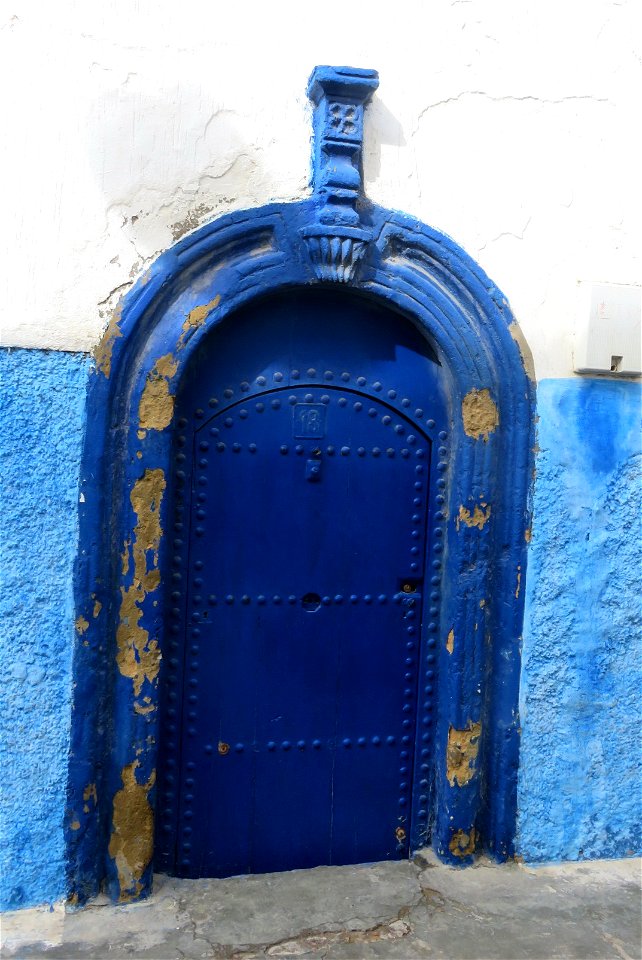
{"x":335,"y":255}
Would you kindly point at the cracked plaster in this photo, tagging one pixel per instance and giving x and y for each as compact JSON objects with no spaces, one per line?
{"x":163,"y":126}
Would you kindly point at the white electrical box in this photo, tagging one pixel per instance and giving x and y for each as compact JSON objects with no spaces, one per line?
{"x":608,"y":336}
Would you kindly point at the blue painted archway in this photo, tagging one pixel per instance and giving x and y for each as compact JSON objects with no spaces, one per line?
{"x":336,"y":237}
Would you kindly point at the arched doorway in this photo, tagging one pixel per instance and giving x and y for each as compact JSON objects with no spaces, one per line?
{"x":310,"y":435}
{"x":471,"y":349}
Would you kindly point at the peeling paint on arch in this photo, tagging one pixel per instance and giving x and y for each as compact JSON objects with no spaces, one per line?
{"x":156,"y":407}
{"x":144,"y":708}
{"x":195,"y":319}
{"x":105,"y":347}
{"x":138,"y":656}
{"x":478,"y":518}
{"x":461,"y":754}
{"x":463,"y":844}
{"x":479,"y":414}
{"x":524,"y":350}
{"x":132,"y":840}
{"x":450,"y":641}
{"x":90,"y":793}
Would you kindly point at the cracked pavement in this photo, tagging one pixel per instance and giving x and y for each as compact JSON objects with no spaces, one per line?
{"x":403,"y":910}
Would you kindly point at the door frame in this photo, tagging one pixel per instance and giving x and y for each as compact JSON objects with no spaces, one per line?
{"x":139,"y":364}
{"x":335,"y":237}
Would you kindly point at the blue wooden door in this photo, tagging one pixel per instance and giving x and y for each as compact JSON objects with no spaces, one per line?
{"x":307,"y":514}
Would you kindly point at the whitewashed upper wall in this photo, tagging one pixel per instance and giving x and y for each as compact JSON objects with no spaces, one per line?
{"x":513,"y":127}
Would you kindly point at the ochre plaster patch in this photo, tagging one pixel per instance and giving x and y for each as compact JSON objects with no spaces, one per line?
{"x":156,"y":407}
{"x":461,"y":753}
{"x":97,"y":608}
{"x":132,"y":839}
{"x":196,"y":318}
{"x":90,"y":792}
{"x":478,"y":518}
{"x":519,"y":581}
{"x":479,"y":413}
{"x":105,"y":347}
{"x":81,"y":625}
{"x":450,"y":642}
{"x":144,"y":708}
{"x":527,"y":357}
{"x":125,"y":557}
{"x":137,"y":656}
{"x":462,"y":843}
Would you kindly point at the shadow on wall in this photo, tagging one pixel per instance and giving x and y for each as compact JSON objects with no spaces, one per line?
{"x":381,"y":128}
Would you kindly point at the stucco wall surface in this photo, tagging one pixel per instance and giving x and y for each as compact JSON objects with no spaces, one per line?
{"x":41,"y":422}
{"x":512,"y":129}
{"x":581,"y":764}
{"x":579,"y":774}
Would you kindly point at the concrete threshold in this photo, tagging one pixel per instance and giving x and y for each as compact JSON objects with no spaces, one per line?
{"x":406,"y":909}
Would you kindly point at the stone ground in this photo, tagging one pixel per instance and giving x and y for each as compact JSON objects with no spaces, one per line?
{"x":396,"y":910}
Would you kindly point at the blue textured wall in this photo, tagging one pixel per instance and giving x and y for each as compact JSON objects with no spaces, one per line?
{"x":41,"y":422}
{"x":579,"y":786}
{"x":579,"y":775}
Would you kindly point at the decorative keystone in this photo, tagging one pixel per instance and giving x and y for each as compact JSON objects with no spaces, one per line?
{"x":337,"y":243}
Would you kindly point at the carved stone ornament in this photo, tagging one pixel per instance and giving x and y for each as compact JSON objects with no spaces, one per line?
{"x":337,"y":243}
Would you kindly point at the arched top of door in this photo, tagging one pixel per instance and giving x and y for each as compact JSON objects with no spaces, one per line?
{"x":338,"y":238}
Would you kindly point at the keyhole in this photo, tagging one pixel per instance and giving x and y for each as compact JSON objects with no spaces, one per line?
{"x":311,"y":602}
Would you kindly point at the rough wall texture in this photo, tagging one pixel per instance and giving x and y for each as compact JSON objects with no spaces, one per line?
{"x":581,"y":714}
{"x":41,"y":421}
{"x":580,"y":711}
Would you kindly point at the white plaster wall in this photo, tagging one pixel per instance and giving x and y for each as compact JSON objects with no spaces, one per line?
{"x":514,"y":127}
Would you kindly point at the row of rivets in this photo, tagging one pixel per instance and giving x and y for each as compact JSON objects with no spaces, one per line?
{"x":275,"y":404}
{"x":192,"y":700}
{"x":170,"y":739}
{"x":432,"y":631}
{"x":262,"y":599}
{"x":261,"y":382}
{"x":417,"y":518}
{"x":300,"y":450}
{"x":190,"y":689}
{"x":167,"y":796}
{"x":347,"y":743}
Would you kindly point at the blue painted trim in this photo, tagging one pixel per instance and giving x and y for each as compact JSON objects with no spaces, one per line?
{"x":191,"y":288}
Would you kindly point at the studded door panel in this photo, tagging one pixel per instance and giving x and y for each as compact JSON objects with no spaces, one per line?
{"x":303,"y":669}
{"x":290,"y":706}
